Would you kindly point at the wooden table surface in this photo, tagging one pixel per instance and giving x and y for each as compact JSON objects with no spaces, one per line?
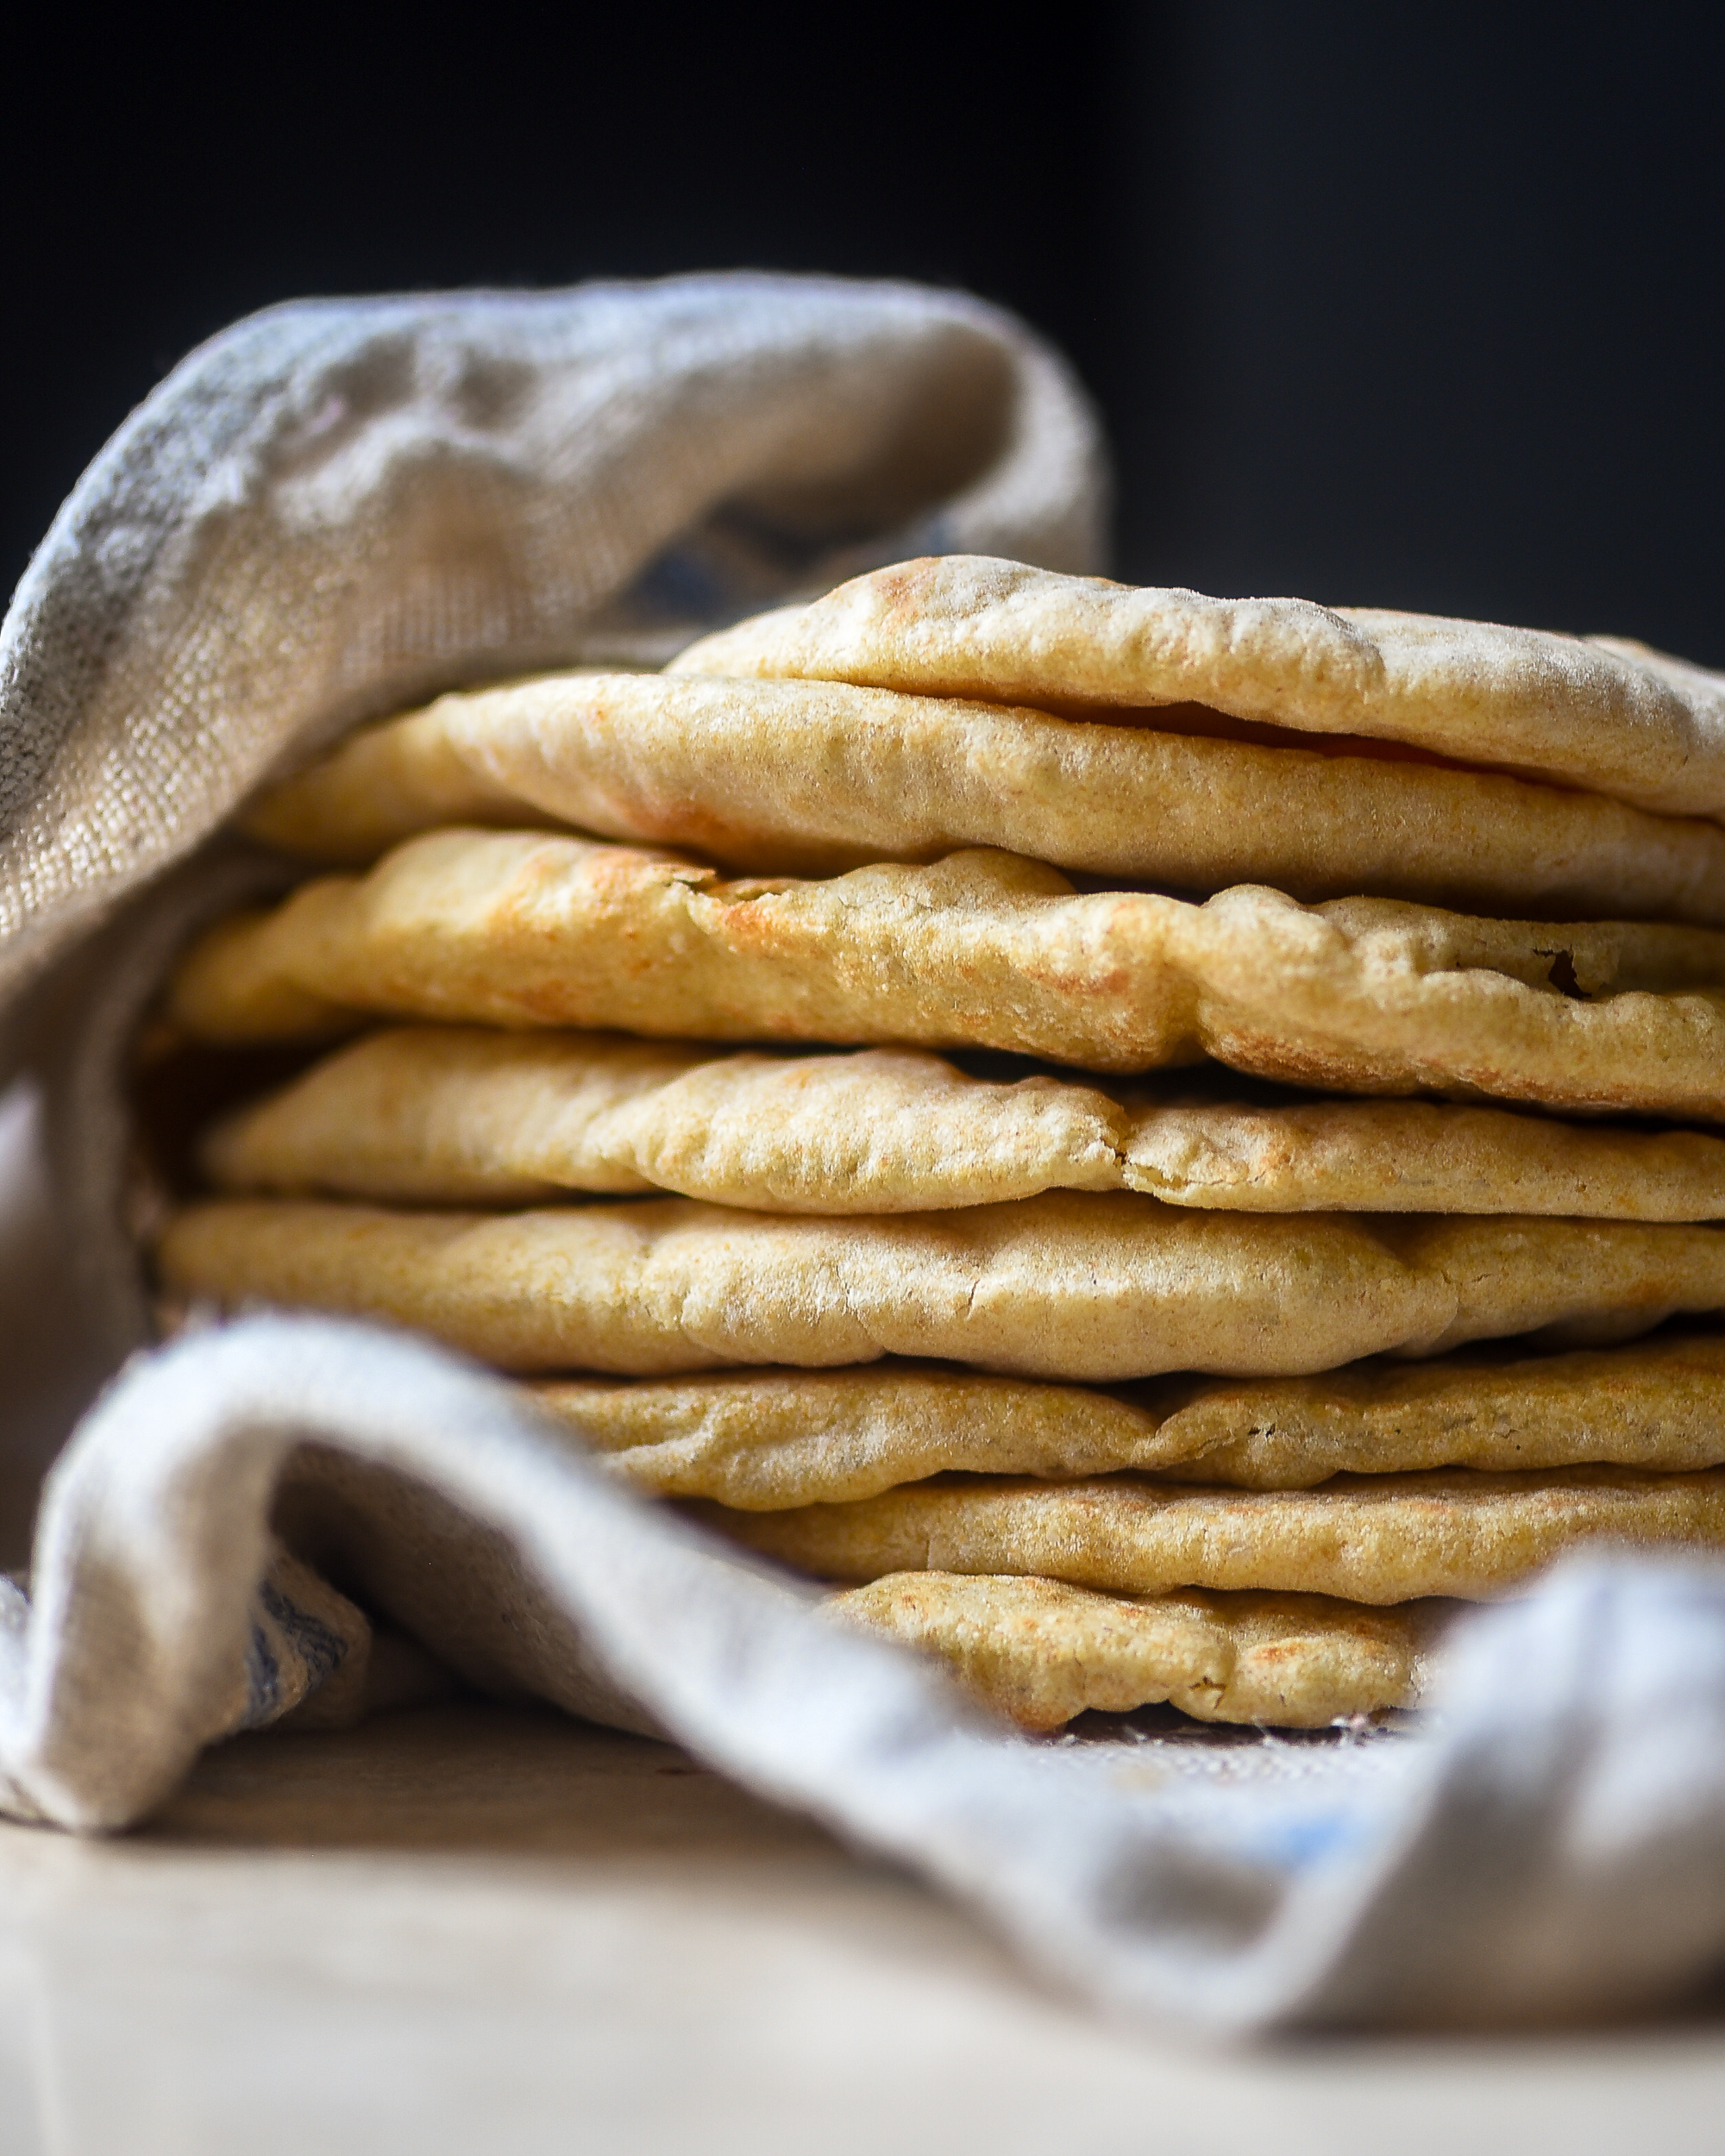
{"x":467,"y":1928}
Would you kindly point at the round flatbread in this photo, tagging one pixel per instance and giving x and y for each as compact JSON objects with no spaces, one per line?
{"x":817,"y":776}
{"x":458,"y":1115}
{"x":765,"y":1440}
{"x":983,"y":949}
{"x":1096,"y":1288}
{"x":1365,"y":1539}
{"x":1598,"y":712}
{"x":1041,"y":1652}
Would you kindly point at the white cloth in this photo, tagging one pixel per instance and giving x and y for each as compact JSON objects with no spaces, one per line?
{"x":333,"y":508}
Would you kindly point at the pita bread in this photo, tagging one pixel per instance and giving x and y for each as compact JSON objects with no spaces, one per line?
{"x":453,"y":1115}
{"x":1041,"y":1652}
{"x":1366,"y":1539}
{"x":1361,"y":995}
{"x":1095,"y":1287}
{"x":765,"y":1440}
{"x":811,"y":777}
{"x":1598,"y":712}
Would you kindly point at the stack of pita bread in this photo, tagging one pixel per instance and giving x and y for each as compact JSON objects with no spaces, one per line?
{"x":1145,"y":1139}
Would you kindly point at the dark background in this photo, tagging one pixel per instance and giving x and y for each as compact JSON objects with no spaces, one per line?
{"x":1413,"y":306}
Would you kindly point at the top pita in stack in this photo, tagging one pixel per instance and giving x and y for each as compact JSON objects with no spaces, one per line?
{"x":1167,"y":1140}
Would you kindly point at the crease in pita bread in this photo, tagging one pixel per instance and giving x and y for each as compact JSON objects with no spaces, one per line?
{"x":981,"y":949}
{"x":1040,"y":1652}
{"x":1603,"y":714}
{"x":1381,"y":1538}
{"x":812,"y":777}
{"x":1099,"y":1288}
{"x":766,"y":1440}
{"x":452,"y":1115}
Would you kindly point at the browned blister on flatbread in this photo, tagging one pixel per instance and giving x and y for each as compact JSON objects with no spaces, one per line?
{"x":1098,"y":1288}
{"x":810,"y":777}
{"x":981,"y":949}
{"x":1042,"y":1651}
{"x":457,"y":1115}
{"x":1365,"y":1539}
{"x":765,"y":1440}
{"x":1598,"y":712}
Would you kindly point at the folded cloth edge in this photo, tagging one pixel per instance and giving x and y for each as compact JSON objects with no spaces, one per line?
{"x":1554,"y":1847}
{"x":335,"y":505}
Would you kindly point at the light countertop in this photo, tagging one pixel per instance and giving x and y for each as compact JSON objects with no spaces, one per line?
{"x":468,"y":1929}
